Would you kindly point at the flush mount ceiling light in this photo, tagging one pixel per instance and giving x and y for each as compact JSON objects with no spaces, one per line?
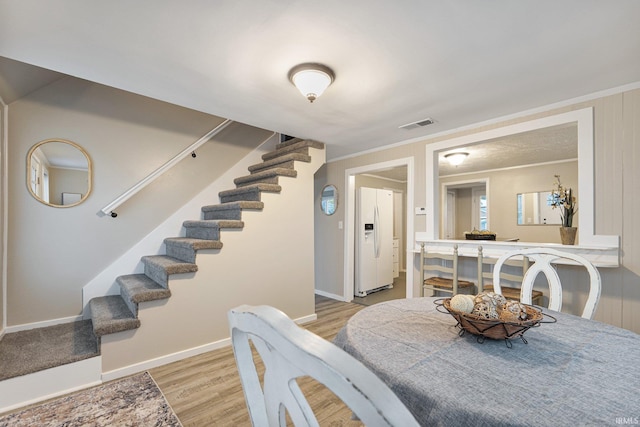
{"x":455,"y":159}
{"x":311,"y":79}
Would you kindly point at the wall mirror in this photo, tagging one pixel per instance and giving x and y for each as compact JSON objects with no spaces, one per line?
{"x":58,"y":173}
{"x":329,"y":200}
{"x":534,"y":209}
{"x":580,"y":120}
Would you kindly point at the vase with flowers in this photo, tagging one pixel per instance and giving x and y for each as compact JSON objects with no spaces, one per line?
{"x":563,"y":199}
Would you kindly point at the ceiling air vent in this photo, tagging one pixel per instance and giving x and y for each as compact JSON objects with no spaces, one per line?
{"x":420,"y":123}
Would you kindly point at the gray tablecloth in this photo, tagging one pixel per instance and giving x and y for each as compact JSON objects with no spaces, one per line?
{"x":575,"y":372}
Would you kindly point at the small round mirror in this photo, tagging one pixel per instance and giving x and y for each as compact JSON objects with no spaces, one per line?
{"x":58,"y":173}
{"x":329,"y":201}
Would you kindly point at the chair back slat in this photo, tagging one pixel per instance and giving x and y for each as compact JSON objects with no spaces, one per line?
{"x":543,"y":263}
{"x":290,"y":352}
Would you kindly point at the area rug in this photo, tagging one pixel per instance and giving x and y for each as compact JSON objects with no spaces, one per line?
{"x":134,"y":401}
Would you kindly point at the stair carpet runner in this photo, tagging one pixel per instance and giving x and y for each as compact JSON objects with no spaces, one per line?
{"x":117,"y":313}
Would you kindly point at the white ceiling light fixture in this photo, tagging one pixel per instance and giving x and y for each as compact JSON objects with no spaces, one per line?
{"x":456,"y":159}
{"x":311,"y":79}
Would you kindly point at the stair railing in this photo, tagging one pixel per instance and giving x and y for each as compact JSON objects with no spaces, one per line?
{"x":110,"y":208}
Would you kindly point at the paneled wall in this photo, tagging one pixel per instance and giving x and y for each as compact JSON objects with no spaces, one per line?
{"x":617,"y":185}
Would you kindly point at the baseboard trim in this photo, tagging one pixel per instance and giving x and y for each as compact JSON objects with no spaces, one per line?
{"x":43,"y":324}
{"x":180,"y":355}
{"x":28,"y":389}
{"x":164,"y":360}
{"x":330,"y":295}
{"x":306,"y":319}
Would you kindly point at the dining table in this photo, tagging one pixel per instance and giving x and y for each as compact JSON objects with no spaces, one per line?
{"x":574,"y":372}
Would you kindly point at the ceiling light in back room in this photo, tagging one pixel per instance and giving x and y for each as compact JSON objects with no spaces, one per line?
{"x":456,"y":159}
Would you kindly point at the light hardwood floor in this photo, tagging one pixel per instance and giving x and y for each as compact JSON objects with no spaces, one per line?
{"x":205,"y":390}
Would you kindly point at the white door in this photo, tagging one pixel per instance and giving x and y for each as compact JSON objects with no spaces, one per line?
{"x":450,"y":216}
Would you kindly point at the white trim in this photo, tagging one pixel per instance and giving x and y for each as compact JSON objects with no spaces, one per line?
{"x":530,"y":165}
{"x":43,"y":324}
{"x":180,"y":355}
{"x":349,"y":237}
{"x":330,"y":295}
{"x":164,"y":360}
{"x":306,"y":319}
{"x":370,"y":175}
{"x":515,"y":116}
{"x":43,"y":385}
{"x":4,"y":140}
{"x":600,"y":256}
{"x":586,"y":172}
{"x":482,"y":182}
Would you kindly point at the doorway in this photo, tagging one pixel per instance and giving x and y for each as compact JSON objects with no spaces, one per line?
{"x":350,"y":220}
{"x":464,"y":208}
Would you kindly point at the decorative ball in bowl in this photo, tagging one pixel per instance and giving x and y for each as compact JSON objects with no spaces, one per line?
{"x":490,"y":315}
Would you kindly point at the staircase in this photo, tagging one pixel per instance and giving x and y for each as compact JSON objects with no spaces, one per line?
{"x":117,"y":318}
{"x":117,"y":313}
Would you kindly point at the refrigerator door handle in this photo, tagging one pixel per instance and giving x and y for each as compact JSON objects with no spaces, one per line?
{"x":376,"y":232}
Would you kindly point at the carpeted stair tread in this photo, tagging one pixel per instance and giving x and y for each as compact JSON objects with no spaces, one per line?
{"x":169,"y":264}
{"x":195,"y":244}
{"x":230,"y":210}
{"x":248,"y":193}
{"x":298,"y":147}
{"x":111,"y":314}
{"x":269,"y":176}
{"x":140,"y":288}
{"x":213,"y":223}
{"x":284,"y":161}
{"x":209,"y":229}
{"x":160,"y":267}
{"x":288,"y":142}
{"x":33,"y":350}
{"x":185,"y":248}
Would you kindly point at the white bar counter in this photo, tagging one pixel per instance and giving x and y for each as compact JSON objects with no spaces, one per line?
{"x":600,"y":256}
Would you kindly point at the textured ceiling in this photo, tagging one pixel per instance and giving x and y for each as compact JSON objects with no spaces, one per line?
{"x":540,"y":146}
{"x":460,"y":62}
{"x":551,"y":144}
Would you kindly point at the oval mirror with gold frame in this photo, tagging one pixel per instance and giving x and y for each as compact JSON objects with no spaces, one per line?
{"x":59,"y":173}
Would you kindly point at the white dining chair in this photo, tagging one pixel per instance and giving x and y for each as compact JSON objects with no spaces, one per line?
{"x":289,"y":352}
{"x":439,"y":272}
{"x":543,"y":259}
{"x":510,"y":281}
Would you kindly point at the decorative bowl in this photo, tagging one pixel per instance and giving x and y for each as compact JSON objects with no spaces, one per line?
{"x":495,"y":329}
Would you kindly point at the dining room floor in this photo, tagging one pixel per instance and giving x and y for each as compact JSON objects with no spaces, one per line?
{"x":398,"y":291}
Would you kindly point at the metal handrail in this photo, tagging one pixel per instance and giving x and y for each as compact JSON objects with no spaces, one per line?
{"x":109,"y":209}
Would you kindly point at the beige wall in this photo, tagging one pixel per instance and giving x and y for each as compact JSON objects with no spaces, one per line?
{"x":269,"y":261}
{"x":53,"y":252}
{"x":66,"y":180}
{"x":503,"y":186}
{"x":617,"y":182}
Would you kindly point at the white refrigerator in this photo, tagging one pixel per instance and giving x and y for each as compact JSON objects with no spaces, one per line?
{"x":374,"y":240}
